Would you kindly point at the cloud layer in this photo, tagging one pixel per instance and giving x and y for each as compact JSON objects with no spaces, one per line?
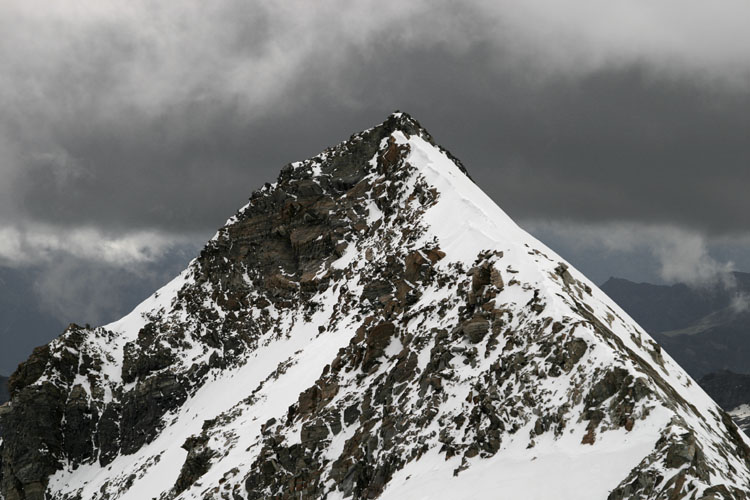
{"x":143,"y":115}
{"x":45,"y":244}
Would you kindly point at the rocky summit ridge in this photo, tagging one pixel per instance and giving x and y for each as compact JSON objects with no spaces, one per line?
{"x":371,"y":325}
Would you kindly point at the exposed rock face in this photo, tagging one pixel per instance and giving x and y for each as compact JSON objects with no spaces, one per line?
{"x":369,"y":326}
{"x":4,"y":393}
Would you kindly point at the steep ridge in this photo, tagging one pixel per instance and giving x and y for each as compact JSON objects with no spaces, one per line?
{"x":372,"y":325}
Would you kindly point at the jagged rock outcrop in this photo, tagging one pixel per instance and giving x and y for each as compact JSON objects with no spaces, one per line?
{"x":369,"y":326}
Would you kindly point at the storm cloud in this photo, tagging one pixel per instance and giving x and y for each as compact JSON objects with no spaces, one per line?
{"x":129,"y":130}
{"x":144,"y":115}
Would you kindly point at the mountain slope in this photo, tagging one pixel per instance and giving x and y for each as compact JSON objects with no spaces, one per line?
{"x":371,"y":325}
{"x":705,"y":329}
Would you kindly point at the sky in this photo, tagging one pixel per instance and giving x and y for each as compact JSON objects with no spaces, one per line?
{"x":616,"y":132}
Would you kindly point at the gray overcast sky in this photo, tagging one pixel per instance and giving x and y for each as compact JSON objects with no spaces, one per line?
{"x":618,"y":132}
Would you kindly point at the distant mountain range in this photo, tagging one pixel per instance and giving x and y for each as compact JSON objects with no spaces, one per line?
{"x":732,"y":392}
{"x":705,"y":329}
{"x":729,"y":389}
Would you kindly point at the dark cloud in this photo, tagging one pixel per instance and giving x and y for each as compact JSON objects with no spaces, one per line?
{"x":616,"y":146}
{"x":81,"y":291}
{"x":615,"y":142}
{"x":126,"y":139}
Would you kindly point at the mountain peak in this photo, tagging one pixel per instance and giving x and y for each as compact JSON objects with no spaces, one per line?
{"x":399,"y":120}
{"x":373,"y":151}
{"x":372,"y":325}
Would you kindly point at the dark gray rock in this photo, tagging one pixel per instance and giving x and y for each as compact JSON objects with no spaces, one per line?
{"x":33,"y":441}
{"x":197,"y":462}
{"x":475,"y":329}
{"x":4,"y":390}
{"x":143,"y":407}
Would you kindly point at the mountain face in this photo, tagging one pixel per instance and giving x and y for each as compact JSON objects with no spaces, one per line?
{"x":705,"y":329}
{"x":372,"y":325}
{"x":732,"y":392}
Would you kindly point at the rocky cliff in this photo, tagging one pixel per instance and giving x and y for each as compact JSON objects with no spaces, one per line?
{"x":4,"y":394}
{"x":371,"y":325}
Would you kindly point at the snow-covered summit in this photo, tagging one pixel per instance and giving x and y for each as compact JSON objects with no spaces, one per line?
{"x":372,"y":325}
